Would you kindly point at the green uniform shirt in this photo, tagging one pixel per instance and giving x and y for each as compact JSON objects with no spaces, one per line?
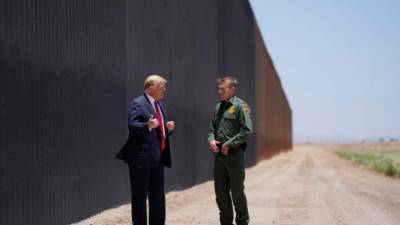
{"x":231,"y":123}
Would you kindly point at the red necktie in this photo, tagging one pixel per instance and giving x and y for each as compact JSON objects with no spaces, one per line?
{"x":161,"y":125}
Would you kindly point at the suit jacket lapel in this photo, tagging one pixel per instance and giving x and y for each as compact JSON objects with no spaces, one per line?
{"x":149,"y":106}
{"x":151,"y":109}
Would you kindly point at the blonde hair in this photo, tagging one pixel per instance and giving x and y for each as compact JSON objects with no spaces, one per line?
{"x":153,"y":80}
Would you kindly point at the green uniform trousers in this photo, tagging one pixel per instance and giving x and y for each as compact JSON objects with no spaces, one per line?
{"x":229,"y":177}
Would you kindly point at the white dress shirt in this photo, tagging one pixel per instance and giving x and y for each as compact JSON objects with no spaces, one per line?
{"x":152,"y":100}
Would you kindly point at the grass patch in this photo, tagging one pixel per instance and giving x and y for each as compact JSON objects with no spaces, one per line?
{"x":384,"y":161}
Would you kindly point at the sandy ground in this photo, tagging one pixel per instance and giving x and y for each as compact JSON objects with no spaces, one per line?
{"x":307,"y":186}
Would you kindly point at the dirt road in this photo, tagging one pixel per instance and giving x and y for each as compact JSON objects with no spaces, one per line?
{"x":307,"y":186}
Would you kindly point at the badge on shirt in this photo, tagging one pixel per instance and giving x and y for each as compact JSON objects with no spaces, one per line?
{"x":246,"y":108}
{"x":231,"y":109}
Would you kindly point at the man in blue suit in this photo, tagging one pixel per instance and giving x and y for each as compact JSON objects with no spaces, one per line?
{"x":147,"y":151}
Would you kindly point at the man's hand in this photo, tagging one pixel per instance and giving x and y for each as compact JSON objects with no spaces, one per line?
{"x":153,"y":122}
{"x":225,"y":150}
{"x":213,"y":146}
{"x":170,"y":126}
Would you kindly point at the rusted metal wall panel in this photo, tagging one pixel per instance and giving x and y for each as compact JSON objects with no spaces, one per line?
{"x":274,"y":115}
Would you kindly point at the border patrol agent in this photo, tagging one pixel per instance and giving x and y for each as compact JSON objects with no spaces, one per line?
{"x":230,"y":127}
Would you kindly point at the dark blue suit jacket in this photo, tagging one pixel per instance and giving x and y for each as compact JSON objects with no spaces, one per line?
{"x":142,"y":148}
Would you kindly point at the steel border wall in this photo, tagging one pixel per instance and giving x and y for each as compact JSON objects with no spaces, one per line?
{"x":68,"y":70}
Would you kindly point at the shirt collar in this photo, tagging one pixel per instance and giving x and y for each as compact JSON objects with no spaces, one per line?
{"x":230,"y":100}
{"x":151,"y":99}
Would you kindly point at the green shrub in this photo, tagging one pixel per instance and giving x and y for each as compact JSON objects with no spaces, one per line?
{"x":386,"y":162}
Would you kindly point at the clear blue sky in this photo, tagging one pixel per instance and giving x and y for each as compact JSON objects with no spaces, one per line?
{"x":339,"y":62}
